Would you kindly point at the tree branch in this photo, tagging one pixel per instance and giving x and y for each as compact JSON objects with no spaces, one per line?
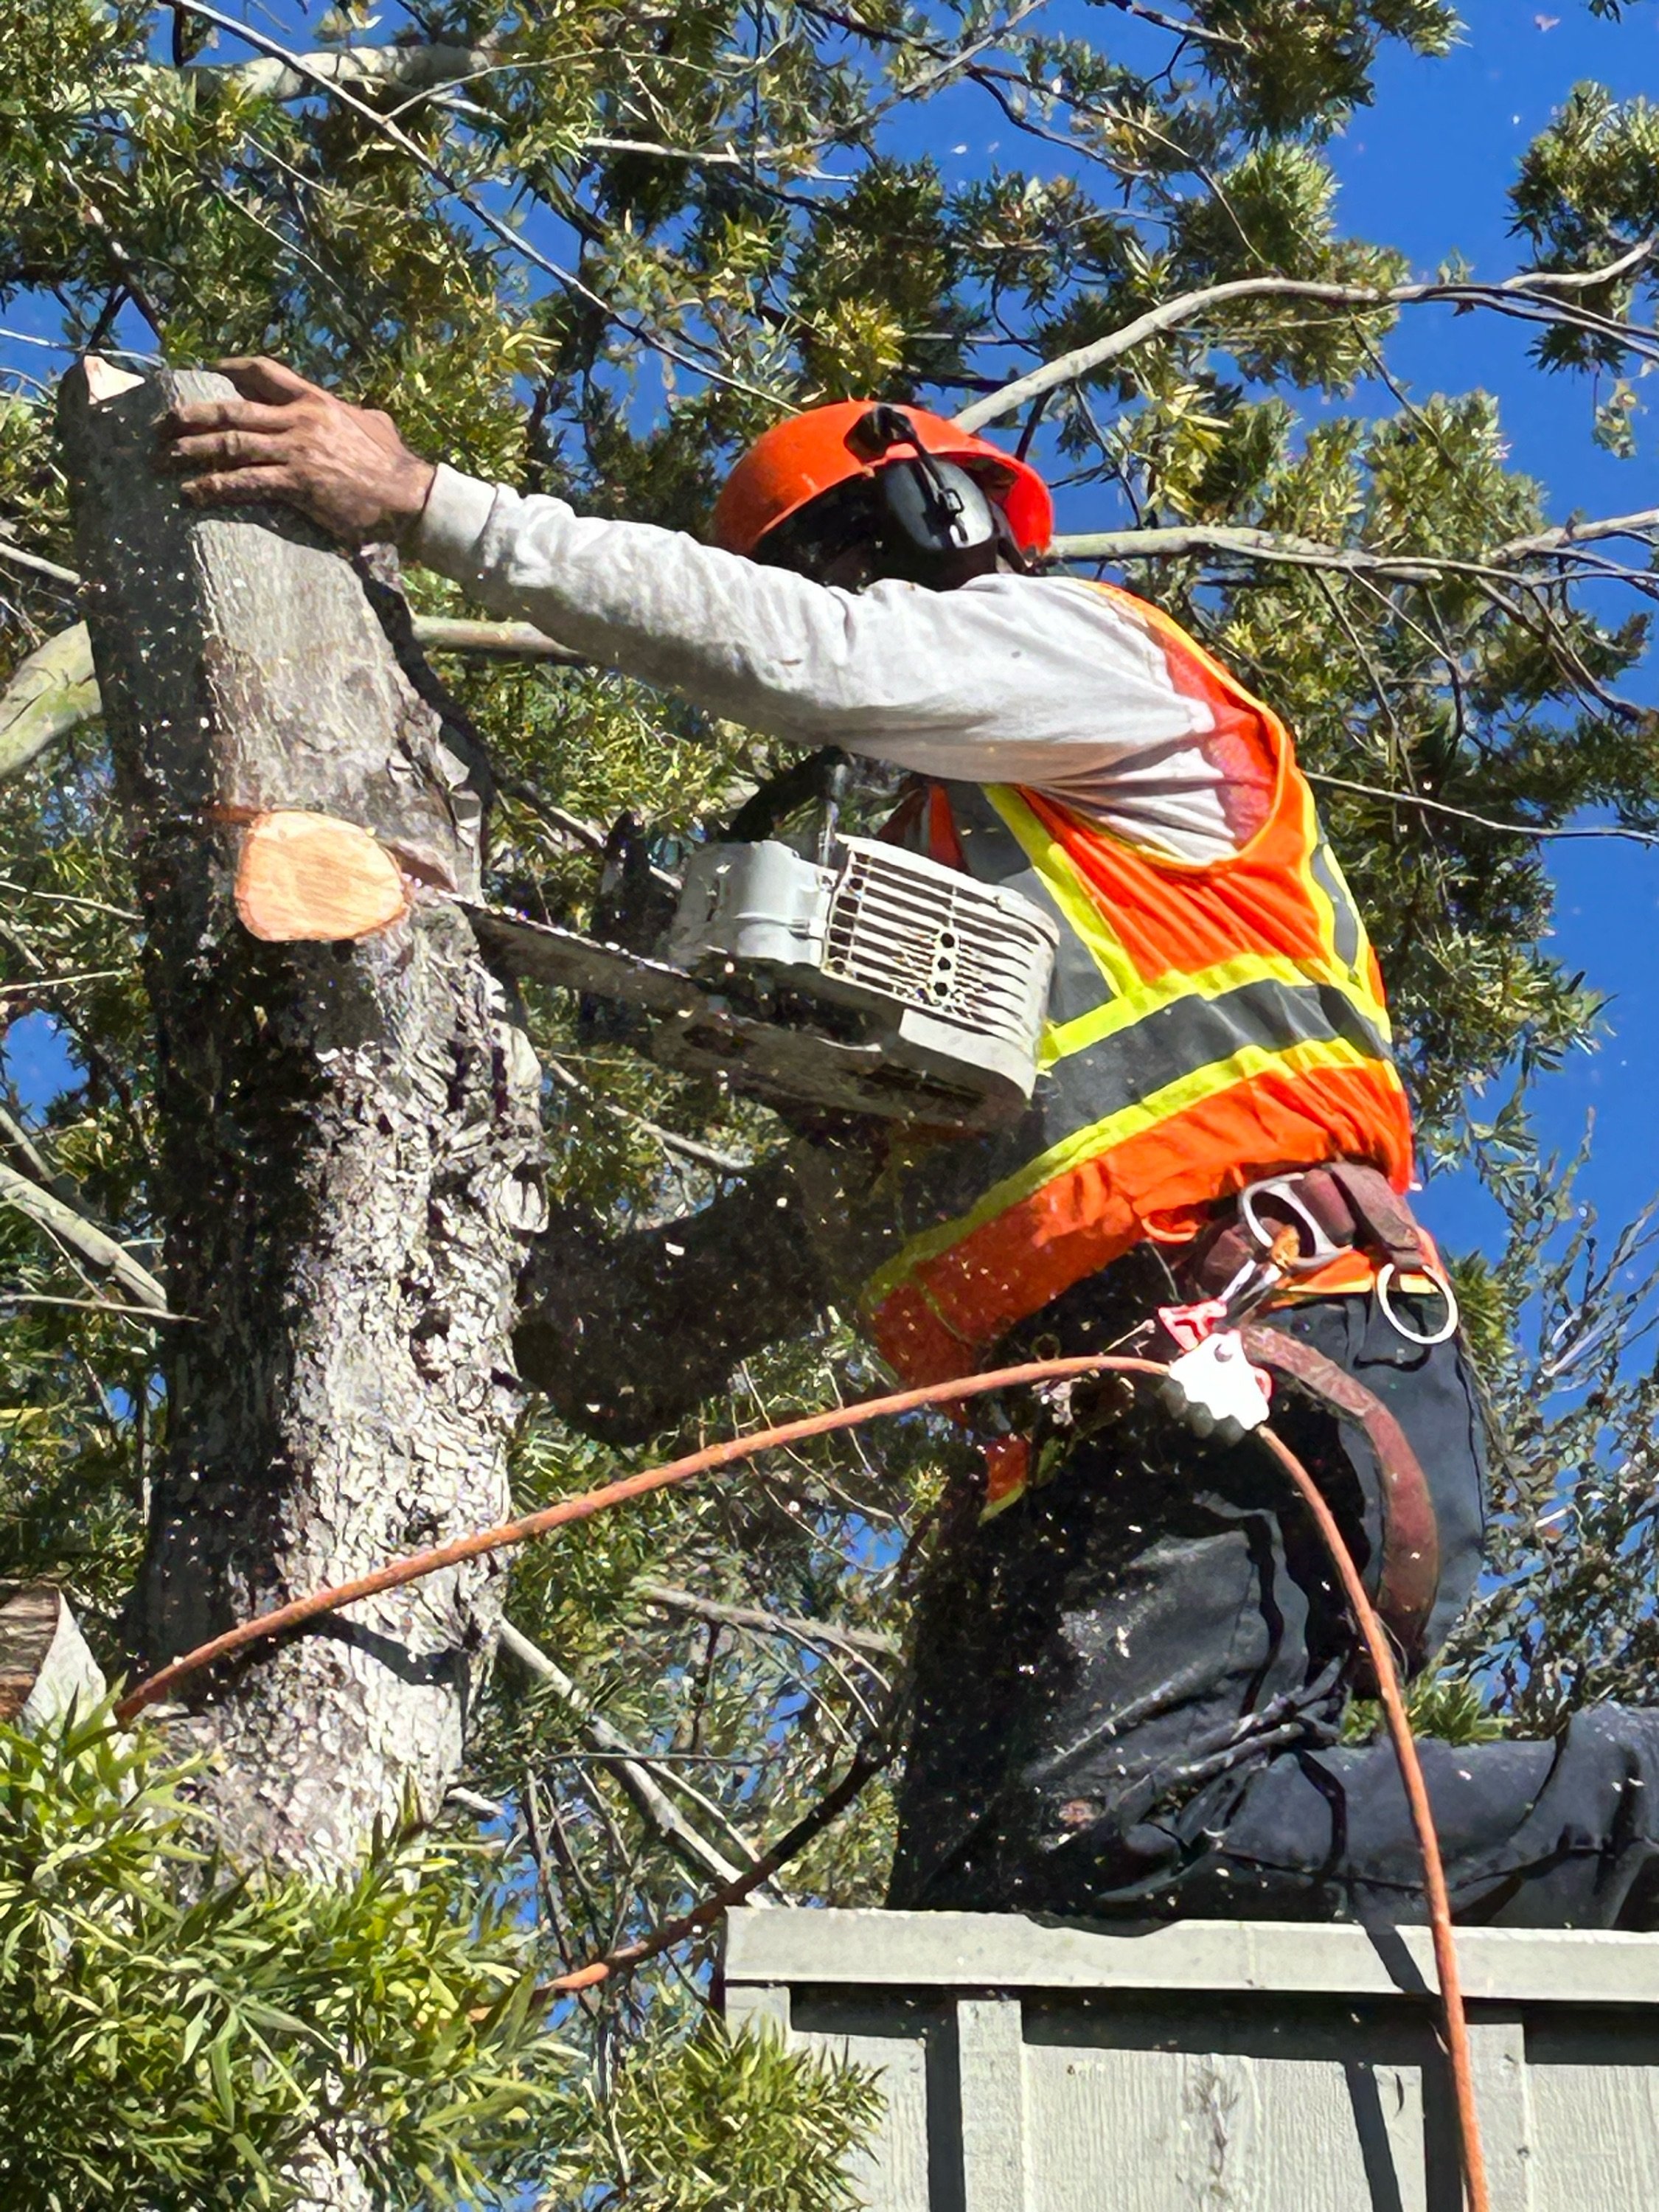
{"x":1483,"y":821}
{"x":705,"y":1155}
{"x":857,"y":1640}
{"x":411,"y":68}
{"x":54,"y":690}
{"x":1531,"y":293}
{"x":49,"y":694}
{"x":92,"y":1245}
{"x":36,"y":565}
{"x":1179,"y":541}
{"x":632,"y":1768}
{"x":499,"y":228}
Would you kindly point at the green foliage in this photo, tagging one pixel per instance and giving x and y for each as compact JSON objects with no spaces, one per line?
{"x":709,"y":2122}
{"x":1447,"y":1707}
{"x":173,"y":2038}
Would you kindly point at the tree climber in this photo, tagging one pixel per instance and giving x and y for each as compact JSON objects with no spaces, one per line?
{"x":1131,"y":1663}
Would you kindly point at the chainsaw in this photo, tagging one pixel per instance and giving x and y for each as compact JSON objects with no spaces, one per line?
{"x":827,"y":970}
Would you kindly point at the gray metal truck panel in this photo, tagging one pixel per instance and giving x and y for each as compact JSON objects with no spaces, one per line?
{"x":1216,"y":2066}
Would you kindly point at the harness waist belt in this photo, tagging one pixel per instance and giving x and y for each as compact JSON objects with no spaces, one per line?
{"x":1356,"y":1206}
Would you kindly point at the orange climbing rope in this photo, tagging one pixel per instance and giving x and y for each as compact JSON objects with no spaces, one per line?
{"x":568,"y":1510}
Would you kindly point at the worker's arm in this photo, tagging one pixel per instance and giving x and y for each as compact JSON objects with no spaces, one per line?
{"x":1001,"y":676}
{"x":627,"y":1332}
{"x":1043,"y":682}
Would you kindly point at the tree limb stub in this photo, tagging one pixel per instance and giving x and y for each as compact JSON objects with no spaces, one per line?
{"x":44,"y":1665}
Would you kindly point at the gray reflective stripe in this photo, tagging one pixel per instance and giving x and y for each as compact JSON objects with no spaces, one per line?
{"x":995,"y":855}
{"x":1347,"y":937}
{"x":1190,"y":1033}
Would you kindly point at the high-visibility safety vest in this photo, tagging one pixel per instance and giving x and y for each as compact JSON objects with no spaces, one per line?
{"x":1207,"y":1026}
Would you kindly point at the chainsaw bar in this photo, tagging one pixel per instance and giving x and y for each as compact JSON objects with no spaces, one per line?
{"x":698,"y":1027}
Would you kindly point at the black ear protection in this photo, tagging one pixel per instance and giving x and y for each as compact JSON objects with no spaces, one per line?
{"x":919,"y":520}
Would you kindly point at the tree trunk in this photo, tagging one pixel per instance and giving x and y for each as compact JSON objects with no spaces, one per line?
{"x":349,"y":1148}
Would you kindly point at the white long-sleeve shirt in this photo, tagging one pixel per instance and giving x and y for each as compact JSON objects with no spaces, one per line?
{"x":1040,"y":681}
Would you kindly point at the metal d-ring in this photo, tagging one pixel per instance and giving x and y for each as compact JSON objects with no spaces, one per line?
{"x":1448,"y":1328}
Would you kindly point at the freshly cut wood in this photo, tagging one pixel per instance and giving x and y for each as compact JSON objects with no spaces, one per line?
{"x":45,"y":1664}
{"x":308,"y":879}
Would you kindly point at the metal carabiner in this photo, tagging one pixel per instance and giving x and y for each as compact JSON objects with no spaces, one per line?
{"x":1386,"y":1274}
{"x":1320,"y":1250}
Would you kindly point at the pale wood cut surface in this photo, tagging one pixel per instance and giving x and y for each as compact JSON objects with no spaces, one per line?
{"x":308,"y":878}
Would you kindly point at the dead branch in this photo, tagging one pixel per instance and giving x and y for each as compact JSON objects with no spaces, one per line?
{"x":632,"y":1767}
{"x":857,"y":1640}
{"x":413,"y":67}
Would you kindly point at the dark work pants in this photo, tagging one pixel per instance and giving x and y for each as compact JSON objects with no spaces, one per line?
{"x":1130,"y":1686}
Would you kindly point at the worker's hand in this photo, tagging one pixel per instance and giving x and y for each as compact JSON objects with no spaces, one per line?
{"x":285,"y":439}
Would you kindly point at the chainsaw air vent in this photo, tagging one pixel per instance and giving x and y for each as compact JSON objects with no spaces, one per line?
{"x":954,"y":948}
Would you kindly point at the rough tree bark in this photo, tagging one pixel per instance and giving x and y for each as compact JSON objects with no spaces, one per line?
{"x":348,"y":1145}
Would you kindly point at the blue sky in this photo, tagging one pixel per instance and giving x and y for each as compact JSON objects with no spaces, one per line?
{"x":1427,"y":169}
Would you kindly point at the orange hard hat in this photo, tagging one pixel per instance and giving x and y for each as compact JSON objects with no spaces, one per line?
{"x":795,"y":460}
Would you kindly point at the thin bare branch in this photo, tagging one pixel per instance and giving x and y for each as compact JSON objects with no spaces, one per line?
{"x":857,"y":1640}
{"x":705,"y":1155}
{"x":1521,"y":293}
{"x":631,"y":1767}
{"x":1484,"y":820}
{"x":15,"y":558}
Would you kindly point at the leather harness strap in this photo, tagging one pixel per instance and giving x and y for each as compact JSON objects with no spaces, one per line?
{"x":1411,"y":1539}
{"x":1354,"y":1205}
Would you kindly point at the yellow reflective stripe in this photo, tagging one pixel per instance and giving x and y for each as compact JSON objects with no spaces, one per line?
{"x":1104,"y":1136}
{"x":1060,"y":1041}
{"x":1078,"y":907}
{"x":1135,"y":998}
{"x":1318,"y":898}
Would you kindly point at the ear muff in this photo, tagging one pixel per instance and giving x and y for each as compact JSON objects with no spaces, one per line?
{"x":916,"y":517}
{"x":934,"y":525}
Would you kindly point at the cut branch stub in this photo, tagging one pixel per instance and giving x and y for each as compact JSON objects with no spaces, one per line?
{"x":306,"y":877}
{"x":45,"y":1664}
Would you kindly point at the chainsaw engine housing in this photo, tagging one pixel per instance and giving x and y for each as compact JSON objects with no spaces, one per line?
{"x":879,"y":951}
{"x":870,"y":981}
